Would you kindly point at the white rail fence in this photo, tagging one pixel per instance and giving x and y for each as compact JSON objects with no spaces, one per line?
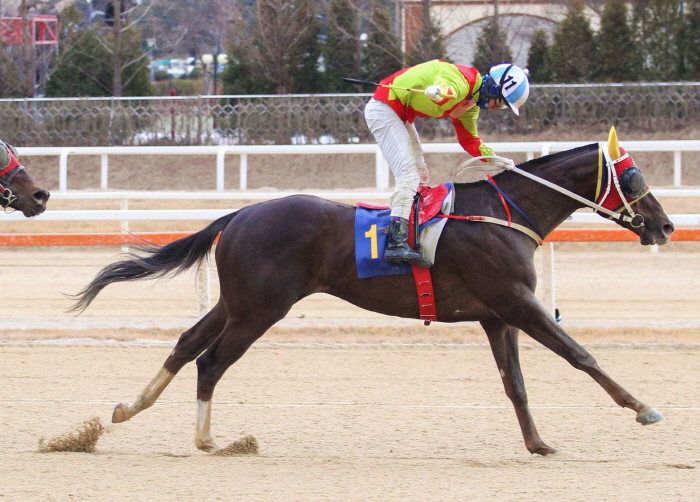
{"x":203,"y":274}
{"x":531,"y":149}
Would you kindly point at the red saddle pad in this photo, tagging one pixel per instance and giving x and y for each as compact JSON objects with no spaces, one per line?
{"x":430,"y":203}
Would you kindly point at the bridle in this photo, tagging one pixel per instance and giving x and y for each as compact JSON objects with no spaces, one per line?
{"x":6,"y":176}
{"x":635,"y":220}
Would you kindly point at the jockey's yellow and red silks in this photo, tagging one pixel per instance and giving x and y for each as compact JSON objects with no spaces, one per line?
{"x":459,"y":83}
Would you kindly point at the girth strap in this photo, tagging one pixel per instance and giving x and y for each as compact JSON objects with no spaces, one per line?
{"x":496,"y":221}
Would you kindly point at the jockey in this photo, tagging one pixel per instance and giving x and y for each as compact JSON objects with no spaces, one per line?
{"x":451,"y":90}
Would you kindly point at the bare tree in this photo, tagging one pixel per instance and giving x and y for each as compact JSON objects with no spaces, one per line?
{"x":115,"y":48}
{"x":270,"y":36}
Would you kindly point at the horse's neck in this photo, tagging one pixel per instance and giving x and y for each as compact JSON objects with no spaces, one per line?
{"x":545,"y":206}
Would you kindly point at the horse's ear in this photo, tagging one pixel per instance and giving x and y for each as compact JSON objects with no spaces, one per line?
{"x":613,"y":145}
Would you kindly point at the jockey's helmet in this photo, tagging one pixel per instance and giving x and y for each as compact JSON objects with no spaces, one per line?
{"x":507,"y":84}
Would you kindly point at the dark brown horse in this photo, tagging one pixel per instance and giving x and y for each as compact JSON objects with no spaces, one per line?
{"x":273,"y":254}
{"x":17,"y":189}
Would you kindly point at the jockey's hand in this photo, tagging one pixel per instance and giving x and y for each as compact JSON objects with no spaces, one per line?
{"x":502,"y":162}
{"x":434,"y":93}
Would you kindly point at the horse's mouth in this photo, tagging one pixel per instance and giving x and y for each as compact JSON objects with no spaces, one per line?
{"x":656,"y":237}
{"x":29,"y":210}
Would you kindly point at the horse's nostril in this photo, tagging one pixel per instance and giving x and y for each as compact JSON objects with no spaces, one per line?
{"x":41,"y":196}
{"x":668,"y":229}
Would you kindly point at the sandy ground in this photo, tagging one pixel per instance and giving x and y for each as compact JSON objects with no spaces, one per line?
{"x":347,"y":404}
{"x":362,"y":423}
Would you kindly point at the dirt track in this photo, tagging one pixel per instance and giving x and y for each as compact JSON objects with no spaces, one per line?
{"x":342,"y":421}
{"x":352,"y":424}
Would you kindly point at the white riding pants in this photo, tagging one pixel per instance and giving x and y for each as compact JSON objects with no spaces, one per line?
{"x":401,"y":148}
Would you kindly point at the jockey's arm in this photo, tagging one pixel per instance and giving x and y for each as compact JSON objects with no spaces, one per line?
{"x":451,"y":83}
{"x":467,"y":133}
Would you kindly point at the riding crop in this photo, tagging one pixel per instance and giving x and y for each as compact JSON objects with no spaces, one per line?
{"x":409,"y":89}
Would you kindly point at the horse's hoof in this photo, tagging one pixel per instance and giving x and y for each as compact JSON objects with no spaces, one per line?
{"x":119,"y":413}
{"x":542,"y":449}
{"x":206,"y":445}
{"x":649,"y":416}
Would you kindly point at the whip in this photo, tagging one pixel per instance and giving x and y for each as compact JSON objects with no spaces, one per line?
{"x":390,"y":86}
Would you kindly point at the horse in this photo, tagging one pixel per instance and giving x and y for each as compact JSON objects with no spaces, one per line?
{"x":18,"y":190}
{"x":272,"y":254}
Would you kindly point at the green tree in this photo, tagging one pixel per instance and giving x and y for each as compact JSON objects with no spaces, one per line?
{"x":275,"y":48}
{"x":86,"y":66}
{"x":241,"y":75}
{"x":430,"y":43}
{"x":693,"y":38}
{"x":619,"y":57}
{"x":660,"y":33}
{"x":382,"y":55}
{"x":342,"y":51}
{"x":305,"y":74}
{"x":573,"y":51}
{"x":10,"y":84}
{"x":492,"y":47}
{"x":538,"y":59}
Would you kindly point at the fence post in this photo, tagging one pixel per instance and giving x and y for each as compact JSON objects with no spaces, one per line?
{"x":548,"y":290}
{"x":381,"y":170}
{"x":677,"y":169}
{"x":63,"y":170}
{"x":124,"y":224}
{"x":530,"y":156}
{"x":545,"y":149}
{"x":244,"y":171}
{"x":203,"y":288}
{"x":220,"y":156}
{"x":104,"y":170}
{"x":200,"y":106}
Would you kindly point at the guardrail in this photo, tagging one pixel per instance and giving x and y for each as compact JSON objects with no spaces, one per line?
{"x":203,"y":280}
{"x":531,"y":149}
{"x":212,"y":214}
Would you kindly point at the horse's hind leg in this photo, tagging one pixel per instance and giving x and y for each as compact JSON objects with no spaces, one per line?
{"x":234,"y":341}
{"x":504,"y":345}
{"x":191,"y":343}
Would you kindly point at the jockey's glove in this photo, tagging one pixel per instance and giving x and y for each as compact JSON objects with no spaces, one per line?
{"x":435,"y":93}
{"x":502,"y":162}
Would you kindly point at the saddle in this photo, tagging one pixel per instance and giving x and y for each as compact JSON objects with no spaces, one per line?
{"x":430,"y":204}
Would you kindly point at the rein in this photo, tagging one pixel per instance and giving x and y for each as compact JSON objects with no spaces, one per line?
{"x":635,"y":220}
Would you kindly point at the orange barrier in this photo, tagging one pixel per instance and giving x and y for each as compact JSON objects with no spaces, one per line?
{"x":160,"y":238}
{"x":613,"y":235}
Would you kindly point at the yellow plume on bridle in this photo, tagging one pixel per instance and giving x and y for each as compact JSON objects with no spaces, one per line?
{"x":613,"y":145}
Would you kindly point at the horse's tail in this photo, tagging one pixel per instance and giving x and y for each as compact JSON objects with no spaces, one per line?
{"x":159,"y":261}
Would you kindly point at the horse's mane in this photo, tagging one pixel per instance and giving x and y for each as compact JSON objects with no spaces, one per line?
{"x":535,"y":164}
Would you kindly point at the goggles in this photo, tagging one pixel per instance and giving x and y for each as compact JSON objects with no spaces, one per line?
{"x":491,"y":90}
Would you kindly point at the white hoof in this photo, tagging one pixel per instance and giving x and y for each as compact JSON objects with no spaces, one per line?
{"x":208,"y":445}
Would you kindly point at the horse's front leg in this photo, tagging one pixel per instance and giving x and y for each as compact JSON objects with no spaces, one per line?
{"x":504,"y":345}
{"x":531,"y":317}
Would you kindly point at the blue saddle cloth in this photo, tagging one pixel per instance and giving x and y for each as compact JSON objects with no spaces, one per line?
{"x":370,"y":237}
{"x":370,"y":241}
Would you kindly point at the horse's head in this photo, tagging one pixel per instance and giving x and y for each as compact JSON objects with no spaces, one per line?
{"x":629,"y":191}
{"x":17,"y":189}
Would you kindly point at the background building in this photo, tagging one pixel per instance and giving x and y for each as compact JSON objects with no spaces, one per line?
{"x":461,"y":22}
